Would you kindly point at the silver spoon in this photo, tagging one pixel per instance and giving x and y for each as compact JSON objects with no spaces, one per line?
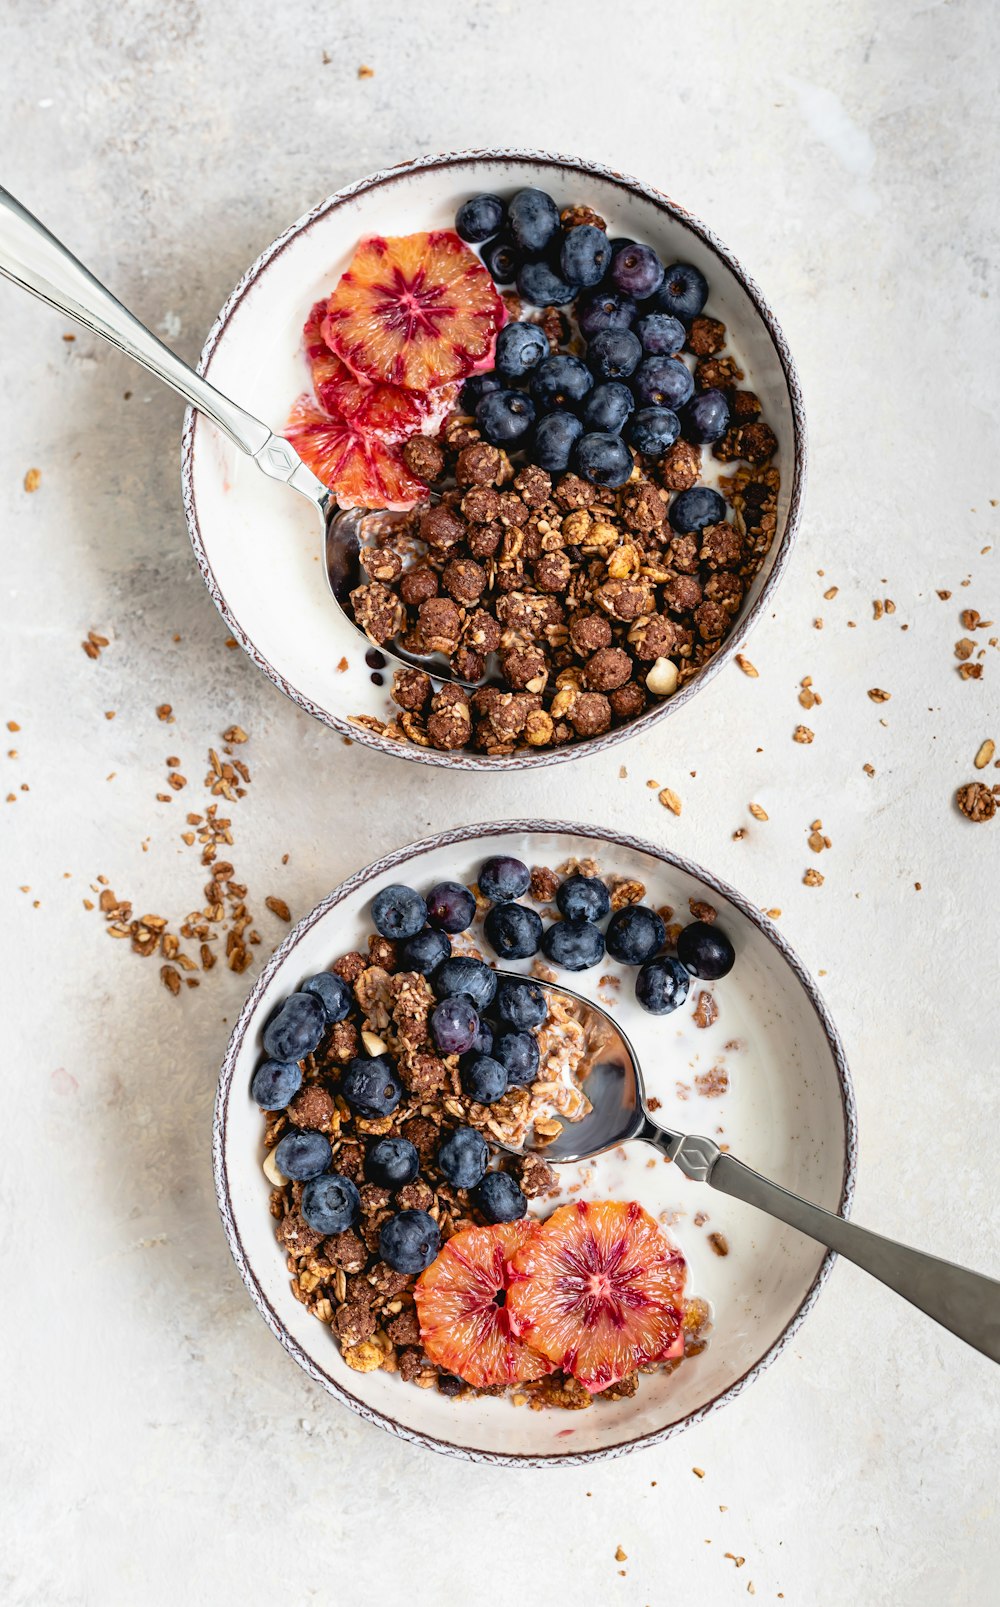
{"x":968,"y":1303}
{"x":33,"y":258}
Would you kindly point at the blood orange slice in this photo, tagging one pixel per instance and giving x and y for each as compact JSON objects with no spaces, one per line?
{"x":598,"y":1289}
{"x":382,"y":409}
{"x":466,"y":1322}
{"x":417,"y":310}
{"x":361,"y":467}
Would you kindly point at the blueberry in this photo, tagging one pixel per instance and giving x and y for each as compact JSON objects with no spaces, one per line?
{"x":603,"y":459}
{"x":483,"y":1079}
{"x":424,"y":952}
{"x":513,"y":931}
{"x":462,"y":974}
{"x":296,"y":1029}
{"x":519,"y":348}
{"x":333,"y":993}
{"x":392,"y":1162}
{"x":482,"y":1043}
{"x":371,"y":1087}
{"x":500,"y":1198}
{"x":585,"y":255}
{"x":653,"y":429}
{"x":692,"y":510}
{"x":575,"y":945}
{"x":638,"y":271}
{"x":479,"y":218}
{"x":454,"y":1025}
{"x":560,"y":381}
{"x":398,"y":911}
{"x":706,"y":418}
{"x":662,"y":382}
{"x":555,"y":437}
{"x":302,"y":1155}
{"x":502,"y":260}
{"x":518,"y":1053}
{"x":635,"y":934}
{"x":614,"y":354}
{"x":463,"y":1157}
{"x":275,"y":1082}
{"x":409,"y":1242}
{"x":503,"y":878}
{"x":521,"y":1003}
{"x":540,"y":285}
{"x":607,"y":407}
{"x":662,"y":985}
{"x":683,"y":293}
{"x":661,"y":335}
{"x":504,"y":416}
{"x":583,"y":898}
{"x":476,"y":387}
{"x":706,"y":951}
{"x":619,"y":243}
{"x":450,"y":907}
{"x":604,"y":309}
{"x":533,"y":219}
{"x":330,"y":1204}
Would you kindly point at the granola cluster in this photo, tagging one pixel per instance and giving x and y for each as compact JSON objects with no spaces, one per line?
{"x":585,"y":600}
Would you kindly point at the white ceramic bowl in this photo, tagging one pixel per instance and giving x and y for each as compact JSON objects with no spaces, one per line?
{"x":789,"y":1112}
{"x":257,"y":543}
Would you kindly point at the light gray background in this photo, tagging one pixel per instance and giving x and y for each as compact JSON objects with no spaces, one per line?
{"x":160,"y":1447}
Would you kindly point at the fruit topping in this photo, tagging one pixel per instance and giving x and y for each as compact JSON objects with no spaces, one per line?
{"x":424,"y":952}
{"x":607,"y":407}
{"x":380,"y":409}
{"x":466,"y":1324}
{"x":637,"y":271}
{"x":585,"y":255}
{"x":275,"y":1083}
{"x":560,"y":381}
{"x":598,"y":1289}
{"x":454,"y":1025}
{"x":583,"y":898}
{"x":296,"y":1028}
{"x":520,"y":1002}
{"x":706,"y":417}
{"x":417,"y":310}
{"x":463,"y":1157}
{"x":574,"y":944}
{"x":555,"y":437}
{"x":502,"y":259}
{"x":533,"y":219}
{"x":503,"y":878}
{"x":513,"y":932}
{"x":662,"y":382}
{"x":540,"y":285}
{"x":660,"y":334}
{"x":505,"y":416}
{"x":615,"y":353}
{"x":450,"y":907}
{"x":483,"y":1079}
{"x":392,"y":1162}
{"x":462,"y":974}
{"x":330,"y":1204}
{"x":333,"y":993}
{"x":479,"y":218}
{"x":635,"y":934}
{"x":706,"y":951}
{"x":653,"y":430}
{"x":362,"y":467}
{"x":409,"y":1242}
{"x":371,"y":1087}
{"x":603,"y":458}
{"x":693,"y":510}
{"x":683,"y":293}
{"x":302,"y":1155}
{"x":518,"y":1053}
{"x":500,"y":1198}
{"x":662,"y":985}
{"x":519,"y":348}
{"x":398,"y":911}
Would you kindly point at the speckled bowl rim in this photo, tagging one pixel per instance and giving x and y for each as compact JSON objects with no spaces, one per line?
{"x":522,"y":759}
{"x":464,"y":834}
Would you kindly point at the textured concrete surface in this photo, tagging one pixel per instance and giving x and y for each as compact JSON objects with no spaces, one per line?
{"x":159,"y":1446}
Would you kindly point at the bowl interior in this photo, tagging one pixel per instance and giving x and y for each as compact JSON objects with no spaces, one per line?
{"x":787,"y":1110}
{"x":258,"y":544}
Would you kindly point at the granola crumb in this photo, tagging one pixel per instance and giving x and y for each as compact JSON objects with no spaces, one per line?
{"x":621,"y":1555}
{"x":366,"y":72}
{"x":746,"y":666}
{"x":669,"y":799}
{"x":278,"y":907}
{"x":877,"y":694}
{"x":984,"y":753}
{"x":165,"y":713}
{"x":758,"y":811}
{"x":813,"y":878}
{"x":699,"y":1473}
{"x":32,"y":480}
{"x":976,"y":801}
{"x":802,"y":733}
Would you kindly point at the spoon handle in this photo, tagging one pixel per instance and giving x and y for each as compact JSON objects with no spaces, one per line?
{"x":41,"y":264}
{"x":966,"y":1302}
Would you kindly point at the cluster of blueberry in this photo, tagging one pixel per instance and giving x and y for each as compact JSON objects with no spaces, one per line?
{"x":632,"y":389}
{"x":634,"y":935}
